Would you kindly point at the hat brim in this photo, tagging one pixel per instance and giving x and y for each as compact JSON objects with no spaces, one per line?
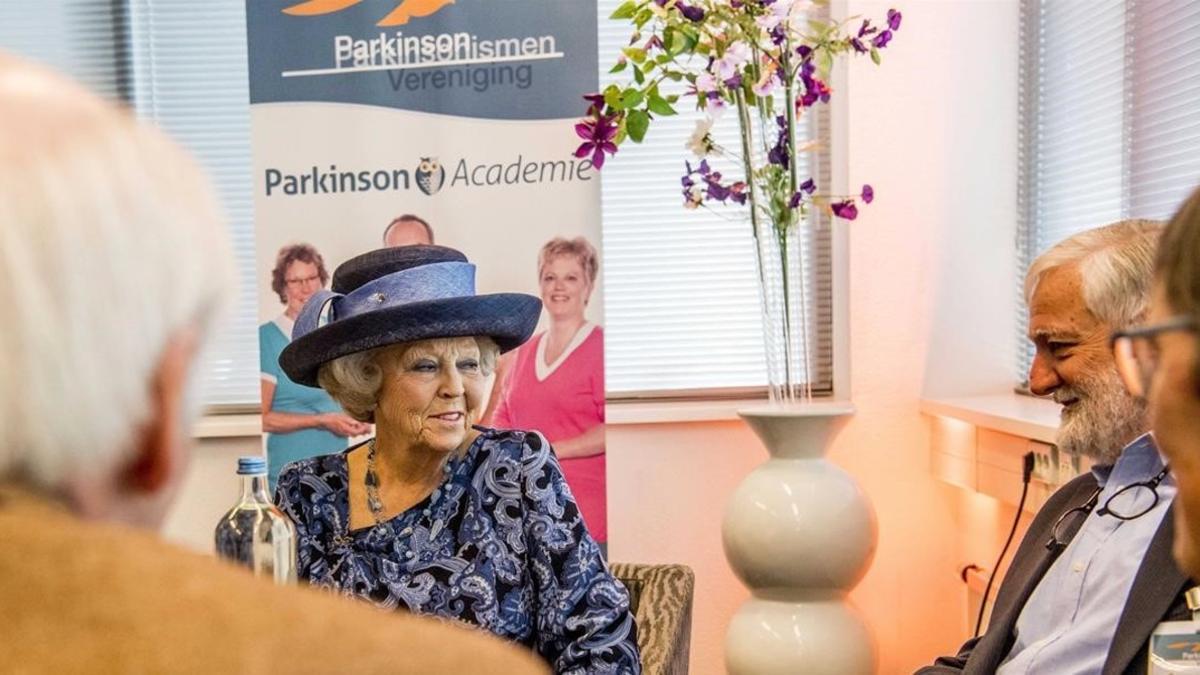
{"x":507,"y":318}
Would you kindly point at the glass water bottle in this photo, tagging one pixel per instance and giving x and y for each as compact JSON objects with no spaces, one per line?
{"x":256,"y":534}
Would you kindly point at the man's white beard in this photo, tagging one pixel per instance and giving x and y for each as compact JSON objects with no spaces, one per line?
{"x":1105,"y":419}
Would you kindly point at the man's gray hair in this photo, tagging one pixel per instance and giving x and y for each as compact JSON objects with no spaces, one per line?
{"x":1116,"y":263}
{"x":111,"y":245}
{"x":354,"y":380}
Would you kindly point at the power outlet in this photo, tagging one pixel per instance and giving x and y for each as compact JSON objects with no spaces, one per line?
{"x":1045,"y":463}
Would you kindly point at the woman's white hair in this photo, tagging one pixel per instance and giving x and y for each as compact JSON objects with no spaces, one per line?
{"x":354,"y":380}
{"x":1116,"y":263}
{"x":111,"y":244}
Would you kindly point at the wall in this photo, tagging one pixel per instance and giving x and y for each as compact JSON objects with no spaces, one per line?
{"x":932,"y":303}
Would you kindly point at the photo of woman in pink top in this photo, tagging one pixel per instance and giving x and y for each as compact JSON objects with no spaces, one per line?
{"x":556,"y":382}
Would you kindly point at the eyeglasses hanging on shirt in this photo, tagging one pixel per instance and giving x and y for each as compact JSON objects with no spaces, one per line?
{"x":1129,"y":503}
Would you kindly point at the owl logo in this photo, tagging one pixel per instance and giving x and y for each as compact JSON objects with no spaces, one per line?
{"x":430,"y":175}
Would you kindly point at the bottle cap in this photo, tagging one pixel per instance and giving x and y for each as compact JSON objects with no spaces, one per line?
{"x":250,"y":466}
{"x":1193,"y":598}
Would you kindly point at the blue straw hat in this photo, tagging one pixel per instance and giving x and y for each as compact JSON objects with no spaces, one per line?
{"x":402,"y":294}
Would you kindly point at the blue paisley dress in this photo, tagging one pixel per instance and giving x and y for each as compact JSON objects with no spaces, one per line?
{"x":499,"y":544}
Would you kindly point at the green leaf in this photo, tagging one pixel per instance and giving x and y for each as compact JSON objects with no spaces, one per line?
{"x":621,"y":134}
{"x":625,"y":11}
{"x":631,"y":98}
{"x":675,"y":76}
{"x":621,"y":65}
{"x":636,"y":124}
{"x":638,"y":76}
{"x":612,"y":97}
{"x":825,"y":64}
{"x":660,"y":106}
{"x":642,"y":18}
{"x":635,"y":54}
{"x":875,"y":55}
{"x":690,"y":39}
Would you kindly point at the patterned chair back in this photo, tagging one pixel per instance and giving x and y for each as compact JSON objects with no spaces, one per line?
{"x":660,"y":597}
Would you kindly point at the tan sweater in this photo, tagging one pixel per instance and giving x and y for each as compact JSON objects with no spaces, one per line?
{"x":78,"y":596}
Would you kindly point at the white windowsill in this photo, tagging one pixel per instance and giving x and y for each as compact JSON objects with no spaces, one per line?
{"x":228,"y":425}
{"x":617,"y":412}
{"x":1010,"y":413}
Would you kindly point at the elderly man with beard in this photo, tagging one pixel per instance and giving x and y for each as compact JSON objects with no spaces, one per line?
{"x":1094,"y":573}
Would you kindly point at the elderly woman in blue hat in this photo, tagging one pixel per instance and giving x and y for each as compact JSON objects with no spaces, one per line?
{"x":434,"y":514}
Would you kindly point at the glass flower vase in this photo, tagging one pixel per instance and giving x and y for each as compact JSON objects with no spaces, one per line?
{"x":787,"y":309}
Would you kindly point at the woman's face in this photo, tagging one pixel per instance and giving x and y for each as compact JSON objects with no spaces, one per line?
{"x":432,"y":392}
{"x":565,"y":287}
{"x":301,"y":280}
{"x":1175,"y":411}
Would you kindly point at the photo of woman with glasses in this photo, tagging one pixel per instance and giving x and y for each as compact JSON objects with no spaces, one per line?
{"x":300,"y":422}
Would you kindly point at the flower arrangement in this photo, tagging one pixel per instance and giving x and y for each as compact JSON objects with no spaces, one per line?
{"x":764,"y":57}
{"x":768,"y":62}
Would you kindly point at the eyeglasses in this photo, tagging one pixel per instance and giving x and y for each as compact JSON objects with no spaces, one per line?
{"x":1136,"y":352}
{"x":303,"y":281}
{"x":1130,"y":502}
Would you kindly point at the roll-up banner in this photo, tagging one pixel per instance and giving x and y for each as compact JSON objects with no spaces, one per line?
{"x":393,"y":122}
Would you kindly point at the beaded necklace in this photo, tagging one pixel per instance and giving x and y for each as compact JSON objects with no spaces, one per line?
{"x":371,"y":481}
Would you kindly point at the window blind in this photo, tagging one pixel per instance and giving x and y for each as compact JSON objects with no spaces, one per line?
{"x":188,"y":65}
{"x":82,"y":38}
{"x":1110,"y":120}
{"x":682,"y":307}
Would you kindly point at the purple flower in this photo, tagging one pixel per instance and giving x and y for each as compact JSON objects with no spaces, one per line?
{"x":893,"y":19}
{"x":858,"y":46}
{"x":845,"y":210}
{"x":868,"y":194}
{"x":808,"y":186}
{"x":597,"y":133}
{"x":794,"y":202}
{"x":737,"y":193}
{"x":778,"y":35}
{"x":778,"y":155}
{"x":734,"y":82}
{"x":596,"y":101}
{"x":717,"y":191}
{"x":804,"y":51}
{"x":691,"y":13}
{"x":865,"y":29}
{"x":882,"y":39}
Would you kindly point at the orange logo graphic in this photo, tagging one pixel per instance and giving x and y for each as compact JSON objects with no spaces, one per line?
{"x":407,"y":9}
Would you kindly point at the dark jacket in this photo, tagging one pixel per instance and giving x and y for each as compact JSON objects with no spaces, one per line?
{"x":1156,"y":595}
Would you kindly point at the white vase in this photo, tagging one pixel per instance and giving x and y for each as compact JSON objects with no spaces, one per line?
{"x":800,"y":534}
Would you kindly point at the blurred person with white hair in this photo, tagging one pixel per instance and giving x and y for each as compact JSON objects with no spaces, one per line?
{"x":114,"y":265}
{"x":1093,"y":576}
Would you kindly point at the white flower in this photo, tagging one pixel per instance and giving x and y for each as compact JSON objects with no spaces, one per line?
{"x":715,"y":108}
{"x":705,"y":82}
{"x":699,"y":143}
{"x":768,"y":22}
{"x":735,"y":57}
